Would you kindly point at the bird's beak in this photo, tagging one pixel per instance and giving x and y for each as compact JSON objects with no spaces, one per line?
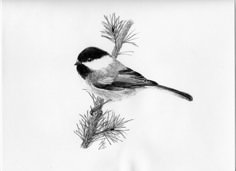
{"x":77,"y":63}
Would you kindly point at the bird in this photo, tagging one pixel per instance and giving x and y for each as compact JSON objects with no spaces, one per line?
{"x":109,"y":79}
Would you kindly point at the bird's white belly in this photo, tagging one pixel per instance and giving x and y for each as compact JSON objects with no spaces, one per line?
{"x":111,"y":94}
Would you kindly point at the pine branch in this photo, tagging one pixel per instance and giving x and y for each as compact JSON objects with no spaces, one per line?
{"x":117,"y":31}
{"x":97,"y":125}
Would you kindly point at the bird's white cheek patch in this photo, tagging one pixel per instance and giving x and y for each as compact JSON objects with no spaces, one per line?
{"x":98,"y":64}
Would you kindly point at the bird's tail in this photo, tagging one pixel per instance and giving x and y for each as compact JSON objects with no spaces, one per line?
{"x":177,"y":92}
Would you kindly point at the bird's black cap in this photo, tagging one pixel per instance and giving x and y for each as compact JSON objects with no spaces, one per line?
{"x":90,"y":54}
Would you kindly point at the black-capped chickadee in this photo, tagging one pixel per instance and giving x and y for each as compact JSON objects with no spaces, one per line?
{"x":110,"y":79}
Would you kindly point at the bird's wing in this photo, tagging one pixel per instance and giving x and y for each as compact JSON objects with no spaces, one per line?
{"x":124,"y":78}
{"x":105,"y":80}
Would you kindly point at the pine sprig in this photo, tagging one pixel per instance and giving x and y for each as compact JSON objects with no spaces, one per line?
{"x":113,"y":26}
{"x":97,"y":125}
{"x":117,"y":31}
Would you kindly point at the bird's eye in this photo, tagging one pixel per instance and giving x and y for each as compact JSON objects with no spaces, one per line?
{"x":89,"y":59}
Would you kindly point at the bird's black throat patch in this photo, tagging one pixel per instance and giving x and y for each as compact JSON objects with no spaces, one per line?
{"x":83,"y":70}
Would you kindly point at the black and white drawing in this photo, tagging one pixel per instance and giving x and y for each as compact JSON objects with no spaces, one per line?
{"x":110,"y":80}
{"x":148,"y":88}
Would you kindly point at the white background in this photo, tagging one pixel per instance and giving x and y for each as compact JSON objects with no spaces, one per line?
{"x":187,"y":45}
